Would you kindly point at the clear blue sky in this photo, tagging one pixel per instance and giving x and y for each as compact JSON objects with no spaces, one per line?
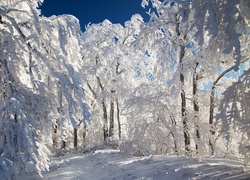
{"x":95,"y":11}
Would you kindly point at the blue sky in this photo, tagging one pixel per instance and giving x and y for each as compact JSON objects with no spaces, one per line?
{"x":95,"y":11}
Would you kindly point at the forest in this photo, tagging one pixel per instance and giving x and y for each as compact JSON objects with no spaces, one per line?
{"x":177,"y":85}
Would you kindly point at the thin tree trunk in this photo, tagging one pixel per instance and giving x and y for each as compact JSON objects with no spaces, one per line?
{"x":55,"y":136}
{"x":117,"y":102}
{"x":211,"y":117}
{"x":182,"y":80}
{"x":185,"y":122}
{"x":75,"y":137}
{"x":212,"y":105}
{"x":63,"y":144}
{"x":118,"y":118}
{"x":172,"y":133}
{"x":111,"y":119}
{"x":105,"y":114}
{"x":196,"y":110}
{"x":9,"y":92}
{"x":84,"y":135}
{"x":3,"y":84}
{"x":93,"y":92}
{"x":183,"y":104}
{"x":105,"y":118}
{"x":60,"y":111}
{"x":56,"y":125}
{"x":9,"y":78}
{"x":175,"y":143}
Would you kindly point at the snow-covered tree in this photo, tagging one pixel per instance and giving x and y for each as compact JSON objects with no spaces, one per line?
{"x":64,"y":75}
{"x":41,"y":78}
{"x":190,"y":44}
{"x":23,"y":108}
{"x":234,"y":117}
{"x":107,"y":59}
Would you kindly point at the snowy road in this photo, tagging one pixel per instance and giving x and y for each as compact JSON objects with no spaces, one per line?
{"x":108,"y":164}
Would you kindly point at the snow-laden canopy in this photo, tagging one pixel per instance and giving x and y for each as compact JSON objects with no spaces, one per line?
{"x":176,"y":85}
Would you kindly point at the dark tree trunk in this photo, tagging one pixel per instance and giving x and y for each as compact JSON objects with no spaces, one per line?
{"x":183,"y":104}
{"x":57,"y":143}
{"x":8,"y":77}
{"x":105,"y":114}
{"x":55,"y":137}
{"x":118,"y":118}
{"x":182,"y":79}
{"x":111,"y":120}
{"x":84,"y":135}
{"x":211,"y":117}
{"x":60,"y":111}
{"x":63,"y":144}
{"x":75,"y":137}
{"x":105,"y":123}
{"x":172,"y":133}
{"x":117,"y":102}
{"x":196,"y":110}
{"x":212,"y":105}
{"x":185,"y":122}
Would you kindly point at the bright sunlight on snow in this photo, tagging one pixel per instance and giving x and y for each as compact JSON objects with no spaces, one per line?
{"x":110,"y":164}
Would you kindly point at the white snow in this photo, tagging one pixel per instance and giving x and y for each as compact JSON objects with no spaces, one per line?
{"x":110,"y":164}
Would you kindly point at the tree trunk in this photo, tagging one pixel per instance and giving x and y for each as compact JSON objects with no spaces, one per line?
{"x":196,"y":110}
{"x":105,"y":114}
{"x":3,"y":84}
{"x":173,"y":135}
{"x":105,"y":123}
{"x":55,"y":136}
{"x":94,"y":94}
{"x":8,"y":77}
{"x":118,"y":118}
{"x":211,"y":117}
{"x":61,"y":113}
{"x":111,"y":120}
{"x":117,"y":102}
{"x":84,"y":135}
{"x":182,"y":80}
{"x":63,"y":144}
{"x":185,"y":122}
{"x":75,"y":137}
{"x":212,"y":105}
{"x":183,"y":104}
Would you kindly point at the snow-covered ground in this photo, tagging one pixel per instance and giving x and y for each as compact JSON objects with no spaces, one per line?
{"x":110,"y":164}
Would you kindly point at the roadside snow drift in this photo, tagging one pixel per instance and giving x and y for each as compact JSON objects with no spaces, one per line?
{"x":110,"y":164}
